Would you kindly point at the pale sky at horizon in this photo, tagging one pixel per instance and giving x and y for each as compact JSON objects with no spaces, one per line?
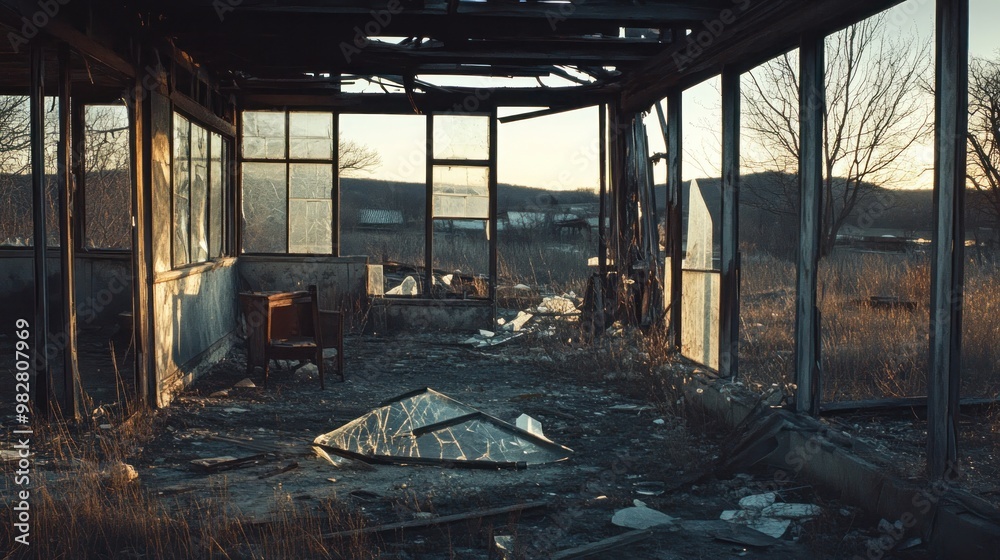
{"x":560,"y":151}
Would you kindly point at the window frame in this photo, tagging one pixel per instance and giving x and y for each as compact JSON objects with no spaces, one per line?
{"x":288,"y":161}
{"x":225,"y":249}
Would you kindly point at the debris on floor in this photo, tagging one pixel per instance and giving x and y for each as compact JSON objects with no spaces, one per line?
{"x":762,"y":513}
{"x":428,"y":427}
{"x":640,"y":517}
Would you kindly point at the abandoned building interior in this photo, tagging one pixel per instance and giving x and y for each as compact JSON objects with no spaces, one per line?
{"x":177,"y":154}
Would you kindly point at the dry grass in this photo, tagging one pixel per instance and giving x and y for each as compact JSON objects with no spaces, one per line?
{"x":89,"y":508}
{"x":867,"y":352}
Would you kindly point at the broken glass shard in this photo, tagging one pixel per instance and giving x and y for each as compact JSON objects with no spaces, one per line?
{"x":426,"y":426}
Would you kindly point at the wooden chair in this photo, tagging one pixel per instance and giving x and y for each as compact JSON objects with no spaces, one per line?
{"x":291,"y":326}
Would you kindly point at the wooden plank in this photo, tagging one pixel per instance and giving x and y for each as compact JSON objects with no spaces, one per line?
{"x":951,"y":119}
{"x":812,"y":105}
{"x":604,"y":545}
{"x":675,"y":203}
{"x":729,"y":305}
{"x":39,"y":327}
{"x":202,"y":115}
{"x":443,"y":520}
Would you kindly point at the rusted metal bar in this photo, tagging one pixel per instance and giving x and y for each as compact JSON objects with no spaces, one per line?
{"x":602,"y":216}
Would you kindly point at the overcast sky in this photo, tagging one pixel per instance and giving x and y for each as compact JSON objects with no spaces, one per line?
{"x":560,"y":151}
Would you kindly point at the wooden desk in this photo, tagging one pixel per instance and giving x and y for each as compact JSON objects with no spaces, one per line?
{"x":272,"y":314}
{"x":290,"y":325}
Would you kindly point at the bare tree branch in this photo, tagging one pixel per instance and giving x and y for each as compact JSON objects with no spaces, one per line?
{"x":875,"y":113}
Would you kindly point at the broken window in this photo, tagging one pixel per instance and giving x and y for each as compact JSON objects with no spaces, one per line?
{"x":548,"y":206}
{"x":288,"y":204}
{"x":383,"y":189}
{"x":16,"y":229}
{"x":195,"y":222}
{"x":426,"y":426}
{"x":461,"y":166}
{"x":107,"y":198}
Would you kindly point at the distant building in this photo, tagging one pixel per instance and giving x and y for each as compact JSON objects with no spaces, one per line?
{"x":377,"y":219}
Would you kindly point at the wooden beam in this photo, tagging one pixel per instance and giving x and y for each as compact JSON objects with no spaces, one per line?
{"x":729,"y":310}
{"x":202,"y":115}
{"x":675,"y":204}
{"x":812,"y":109}
{"x":39,"y":327}
{"x":744,"y":34}
{"x":72,"y":390}
{"x":602,"y":212}
{"x":88,"y":47}
{"x":454,"y":100}
{"x":947,"y":272}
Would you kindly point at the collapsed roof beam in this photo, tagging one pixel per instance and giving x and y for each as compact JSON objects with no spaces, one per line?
{"x":745,"y":34}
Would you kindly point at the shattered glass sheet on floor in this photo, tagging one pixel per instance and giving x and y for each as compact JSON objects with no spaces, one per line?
{"x":426,"y":426}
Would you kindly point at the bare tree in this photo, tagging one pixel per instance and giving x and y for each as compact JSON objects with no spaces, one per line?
{"x":984,"y":132}
{"x":356,"y":157}
{"x":876,"y":111}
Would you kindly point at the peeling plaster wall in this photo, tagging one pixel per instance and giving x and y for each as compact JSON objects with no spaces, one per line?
{"x":342,"y":281}
{"x":194,"y":320}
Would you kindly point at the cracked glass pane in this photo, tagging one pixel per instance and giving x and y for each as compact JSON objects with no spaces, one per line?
{"x":431,"y":427}
{"x":310,"y":135}
{"x":263,"y":134}
{"x":461,"y":137}
{"x":461,"y":192}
